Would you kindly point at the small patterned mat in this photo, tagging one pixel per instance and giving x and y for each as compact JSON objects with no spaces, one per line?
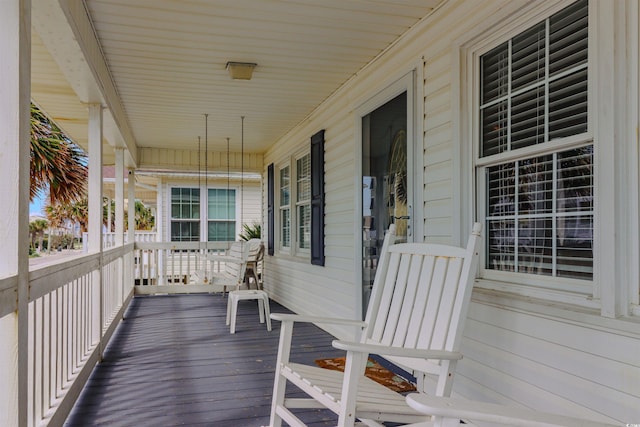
{"x":374,"y":371}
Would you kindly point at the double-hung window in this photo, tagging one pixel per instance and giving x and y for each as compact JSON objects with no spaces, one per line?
{"x":221,"y":224}
{"x":202,"y":215}
{"x":185,"y":214}
{"x":303,"y":202}
{"x":534,"y":154}
{"x":294,"y":204}
{"x":285,"y":207}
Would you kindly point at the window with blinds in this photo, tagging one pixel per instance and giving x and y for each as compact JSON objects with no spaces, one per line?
{"x":538,"y":210}
{"x":285,"y":207}
{"x":303,"y":201}
{"x":534,"y":86}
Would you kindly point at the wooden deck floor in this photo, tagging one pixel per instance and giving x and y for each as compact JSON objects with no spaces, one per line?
{"x":173,"y":362}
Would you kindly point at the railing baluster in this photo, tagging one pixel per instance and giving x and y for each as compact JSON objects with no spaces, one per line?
{"x":46,"y":352}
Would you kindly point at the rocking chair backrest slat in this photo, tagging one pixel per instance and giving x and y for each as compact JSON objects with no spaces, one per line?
{"x":409,"y":303}
{"x":444,"y":319}
{"x":420,"y":304}
{"x":425,"y":291}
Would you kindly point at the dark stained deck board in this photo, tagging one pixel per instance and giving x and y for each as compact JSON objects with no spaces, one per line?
{"x":173,"y":362}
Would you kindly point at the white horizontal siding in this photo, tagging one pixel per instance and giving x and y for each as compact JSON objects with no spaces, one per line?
{"x":191,"y":160}
{"x":550,"y":363}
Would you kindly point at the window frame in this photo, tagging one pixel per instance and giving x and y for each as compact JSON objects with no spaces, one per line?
{"x":302,"y":203}
{"x":293,"y":249}
{"x":573,"y":291}
{"x":173,"y":220}
{"x":203,"y":220}
{"x":282,"y":247}
{"x":235,"y":213}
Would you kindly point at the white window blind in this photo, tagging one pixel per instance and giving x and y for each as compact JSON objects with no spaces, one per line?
{"x":303,"y":202}
{"x":538,"y":210}
{"x":285,"y":207}
{"x":534,"y":86}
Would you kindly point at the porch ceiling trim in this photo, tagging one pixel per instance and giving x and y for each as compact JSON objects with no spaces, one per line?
{"x":81,"y":42}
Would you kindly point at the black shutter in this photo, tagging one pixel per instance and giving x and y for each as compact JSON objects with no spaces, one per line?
{"x":317,"y":198}
{"x":270,"y":212}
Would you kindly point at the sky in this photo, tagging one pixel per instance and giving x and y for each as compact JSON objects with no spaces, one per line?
{"x":37,"y":206}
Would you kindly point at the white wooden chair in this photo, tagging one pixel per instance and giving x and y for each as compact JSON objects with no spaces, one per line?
{"x":448,"y":412}
{"x":254,"y":263}
{"x":415,"y":318}
{"x":255,"y":257}
{"x":232,"y":275}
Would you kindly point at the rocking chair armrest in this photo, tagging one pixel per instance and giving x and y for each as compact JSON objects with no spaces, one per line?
{"x":284,"y":317}
{"x":492,"y":413}
{"x":384,"y":350}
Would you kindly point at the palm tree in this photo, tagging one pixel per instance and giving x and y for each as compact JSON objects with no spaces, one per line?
{"x":57,"y":164}
{"x":144,"y":217}
{"x":36,"y":230}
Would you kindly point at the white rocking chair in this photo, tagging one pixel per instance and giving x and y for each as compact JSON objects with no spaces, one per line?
{"x":415,"y":319}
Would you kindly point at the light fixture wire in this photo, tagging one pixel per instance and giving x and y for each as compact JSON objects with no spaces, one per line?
{"x":242,"y":171}
{"x":228,"y":182}
{"x":206,"y":184}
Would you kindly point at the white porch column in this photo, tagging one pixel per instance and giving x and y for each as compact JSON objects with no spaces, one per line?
{"x":15,"y":75}
{"x":95,"y":213}
{"x":119,"y":210}
{"x":95,"y":178}
{"x":131,"y":198}
{"x":160,"y":219}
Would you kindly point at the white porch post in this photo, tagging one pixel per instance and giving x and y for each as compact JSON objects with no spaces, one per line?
{"x":131,"y":197}
{"x":95,"y":178}
{"x":160,"y":219}
{"x":15,"y":75}
{"x":119,"y":210}
{"x":95,"y":212}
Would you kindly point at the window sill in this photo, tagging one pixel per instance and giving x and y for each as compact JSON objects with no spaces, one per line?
{"x":571,"y":295}
{"x":586,"y":315}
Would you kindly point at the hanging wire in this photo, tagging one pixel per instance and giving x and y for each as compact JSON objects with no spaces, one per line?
{"x":199,"y":171}
{"x":242,"y":171}
{"x":228,"y":181}
{"x":206,"y":151}
{"x":206,"y":183}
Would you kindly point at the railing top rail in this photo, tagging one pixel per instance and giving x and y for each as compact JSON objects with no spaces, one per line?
{"x":8,"y":295}
{"x":183,"y":245}
{"x":48,"y":278}
{"x":73,"y":261}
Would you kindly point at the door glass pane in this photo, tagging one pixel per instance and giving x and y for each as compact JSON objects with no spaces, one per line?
{"x":384,"y":182}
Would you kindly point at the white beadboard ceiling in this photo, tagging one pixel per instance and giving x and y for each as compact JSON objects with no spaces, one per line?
{"x":167,"y":62}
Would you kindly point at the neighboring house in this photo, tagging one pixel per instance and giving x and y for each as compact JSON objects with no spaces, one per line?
{"x":521,"y":115}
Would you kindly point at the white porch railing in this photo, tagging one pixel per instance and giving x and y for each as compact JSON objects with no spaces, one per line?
{"x":109,"y":239}
{"x":74,"y":307}
{"x":169,"y":267}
